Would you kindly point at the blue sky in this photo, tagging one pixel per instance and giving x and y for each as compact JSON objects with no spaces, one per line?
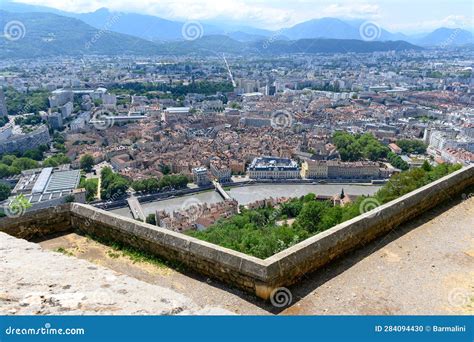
{"x":409,"y":16}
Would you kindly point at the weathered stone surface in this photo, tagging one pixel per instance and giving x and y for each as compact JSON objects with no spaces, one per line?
{"x":38,"y":282}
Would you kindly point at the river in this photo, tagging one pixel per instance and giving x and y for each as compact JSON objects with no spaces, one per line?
{"x":248,"y":194}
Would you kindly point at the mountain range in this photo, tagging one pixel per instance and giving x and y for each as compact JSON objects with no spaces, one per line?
{"x":36,"y":34}
{"x":153,"y":28}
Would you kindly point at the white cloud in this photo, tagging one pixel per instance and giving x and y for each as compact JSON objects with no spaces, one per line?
{"x":352,"y":10}
{"x":274,"y":14}
{"x":451,"y":21}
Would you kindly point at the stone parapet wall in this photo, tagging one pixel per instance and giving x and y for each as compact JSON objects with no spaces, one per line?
{"x":221,"y":263}
{"x":252,"y":274}
{"x":288,"y":266}
{"x":36,"y":224}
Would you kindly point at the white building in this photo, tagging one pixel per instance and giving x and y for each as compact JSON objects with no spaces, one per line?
{"x":273,"y":168}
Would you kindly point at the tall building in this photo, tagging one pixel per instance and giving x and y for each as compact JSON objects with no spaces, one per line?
{"x":200,"y":176}
{"x":3,"y":104}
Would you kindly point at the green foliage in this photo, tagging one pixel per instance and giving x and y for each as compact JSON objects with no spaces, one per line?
{"x":30,"y":102}
{"x":175,"y":181}
{"x":365,"y":146}
{"x":165,"y":169}
{"x":256,"y":233}
{"x":412,"y":146}
{"x":70,"y":199}
{"x":397,"y":161}
{"x":253,"y":232}
{"x":404,"y":182}
{"x":91,"y":187}
{"x":87,"y":162}
{"x":24,"y":163}
{"x":3,"y":120}
{"x":177,"y":90}
{"x":113,"y":185}
{"x":151,"y":219}
{"x":5,"y":191}
{"x":20,"y":203}
{"x":28,"y":120}
{"x":328,"y":87}
{"x":56,"y":160}
{"x":12,"y":164}
{"x":357,"y":147}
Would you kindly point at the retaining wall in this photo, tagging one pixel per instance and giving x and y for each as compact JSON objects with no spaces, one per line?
{"x":252,"y":274}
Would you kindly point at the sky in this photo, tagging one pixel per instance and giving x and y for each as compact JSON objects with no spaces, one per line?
{"x":407,"y":16}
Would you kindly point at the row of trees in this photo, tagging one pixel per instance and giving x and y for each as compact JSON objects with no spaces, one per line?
{"x":14,"y":163}
{"x":256,"y":232}
{"x":365,"y":147}
{"x":56,"y":160}
{"x":396,"y":161}
{"x":112,"y":184}
{"x":175,"y":181}
{"x":177,"y":90}
{"x":11,"y":165}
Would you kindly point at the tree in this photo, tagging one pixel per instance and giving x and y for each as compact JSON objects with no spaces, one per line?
{"x":69,"y":199}
{"x":151,"y":219}
{"x":310,"y":216}
{"x":412,"y":146}
{"x":25,"y":163}
{"x":113,"y":185}
{"x":56,"y":160}
{"x":426,"y":166}
{"x":87,"y":162}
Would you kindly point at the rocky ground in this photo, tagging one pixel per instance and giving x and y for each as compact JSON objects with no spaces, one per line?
{"x":40,"y":282}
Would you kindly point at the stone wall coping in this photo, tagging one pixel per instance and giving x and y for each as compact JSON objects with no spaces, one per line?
{"x":234,"y":259}
{"x":375,"y":214}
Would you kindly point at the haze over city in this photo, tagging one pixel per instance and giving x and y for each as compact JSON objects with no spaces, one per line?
{"x":400,"y":16}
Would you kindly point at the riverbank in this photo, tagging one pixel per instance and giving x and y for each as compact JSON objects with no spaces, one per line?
{"x":244,"y":194}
